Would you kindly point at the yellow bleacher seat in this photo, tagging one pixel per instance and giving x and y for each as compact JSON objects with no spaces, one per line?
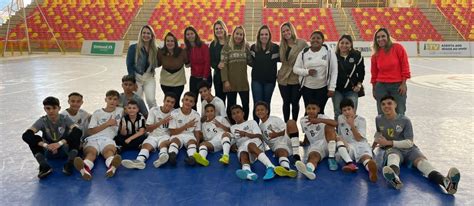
{"x":72,"y":30}
{"x":398,"y":31}
{"x":392,"y":22}
{"x":387,"y":13}
{"x":358,"y":10}
{"x":322,"y":27}
{"x":368,"y":31}
{"x":416,"y":22}
{"x":409,"y":13}
{"x":407,"y":26}
{"x":365,"y":13}
{"x":401,"y":18}
{"x":413,"y":36}
{"x":93,"y":31}
{"x":373,"y":18}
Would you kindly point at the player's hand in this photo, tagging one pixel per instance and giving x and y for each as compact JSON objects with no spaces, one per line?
{"x":54,"y":147}
{"x":242,"y":133}
{"x":314,"y":121}
{"x":272,"y":134}
{"x":218,"y":124}
{"x":350,"y":120}
{"x":330,"y":93}
{"x":191,"y":123}
{"x":111,"y":122}
{"x":227,"y":86}
{"x":383,"y":142}
{"x":166,"y":120}
{"x":127,"y":141}
{"x":357,"y":87}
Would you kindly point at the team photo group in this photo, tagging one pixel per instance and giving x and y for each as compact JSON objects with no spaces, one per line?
{"x":136,"y":120}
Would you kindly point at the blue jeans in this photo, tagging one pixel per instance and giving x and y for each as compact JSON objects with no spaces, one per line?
{"x":383,"y":89}
{"x":262,"y":91}
{"x":339,"y":96}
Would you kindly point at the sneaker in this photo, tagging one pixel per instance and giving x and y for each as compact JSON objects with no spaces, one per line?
{"x":301,"y":167}
{"x":372,"y":171}
{"x":134,"y":164}
{"x":246,"y":175}
{"x":68,"y":167}
{"x":392,"y":177}
{"x":189,"y":160}
{"x":453,"y":176}
{"x":172,"y":158}
{"x":116,"y":161}
{"x":351,"y":167}
{"x":296,"y":157}
{"x":269,"y":174}
{"x":82,"y":168}
{"x":162,"y":160}
{"x":332,"y":164}
{"x":201,"y":160}
{"x":285,"y":172}
{"x":44,"y":170}
{"x":224,"y":159}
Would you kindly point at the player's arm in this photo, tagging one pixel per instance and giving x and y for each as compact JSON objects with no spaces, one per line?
{"x":151,"y":127}
{"x":111,"y":122}
{"x":140,"y":132}
{"x":180,"y":130}
{"x":330,"y":122}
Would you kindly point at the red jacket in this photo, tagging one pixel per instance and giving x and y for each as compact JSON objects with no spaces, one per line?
{"x":390,"y":67}
{"x":200,"y":61}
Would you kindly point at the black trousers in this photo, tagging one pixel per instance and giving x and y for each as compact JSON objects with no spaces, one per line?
{"x":319,"y":96}
{"x":232,"y":100}
{"x":133,"y":145}
{"x":291,"y":98}
{"x":178,"y":91}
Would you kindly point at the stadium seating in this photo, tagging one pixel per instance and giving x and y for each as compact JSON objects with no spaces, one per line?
{"x":175,"y":16}
{"x":460,"y":14}
{"x":404,"y":24}
{"x":79,"y":20}
{"x":305,"y":20}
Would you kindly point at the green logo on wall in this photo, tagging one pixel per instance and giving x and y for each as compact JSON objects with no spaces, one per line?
{"x":103,"y":48}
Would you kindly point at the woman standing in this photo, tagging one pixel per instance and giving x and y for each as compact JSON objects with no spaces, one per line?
{"x":198,"y":56}
{"x":290,"y":47}
{"x":141,"y":62}
{"x":390,"y":70}
{"x":172,"y":58}
{"x":215,"y":49}
{"x":317,"y":70}
{"x":350,"y":73}
{"x":265,"y":55}
{"x":234,"y":58}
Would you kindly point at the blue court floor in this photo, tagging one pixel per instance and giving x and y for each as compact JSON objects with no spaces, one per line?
{"x":440,"y":105}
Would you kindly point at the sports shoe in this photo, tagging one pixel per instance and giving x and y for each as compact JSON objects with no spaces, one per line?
{"x":189,"y":160}
{"x":332,"y":164}
{"x":162,"y":160}
{"x":82,"y":168}
{"x":454,"y":176}
{"x":285,"y":172}
{"x":116,"y":161}
{"x":134,"y":164}
{"x":372,"y":171}
{"x":68,"y":167}
{"x":200,"y":159}
{"x":301,"y":167}
{"x":351,"y":167}
{"x":296,"y":157}
{"x":392,"y":177}
{"x":172,"y":158}
{"x":224,"y":159}
{"x":269,"y":174}
{"x":246,"y":175}
{"x":44,"y":170}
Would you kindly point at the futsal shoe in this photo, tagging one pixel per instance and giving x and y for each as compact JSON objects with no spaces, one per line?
{"x":301,"y":167}
{"x":349,"y":168}
{"x":68,"y":167}
{"x":200,"y":159}
{"x":269,"y":174}
{"x":372,"y":170}
{"x":44,"y":170}
{"x":392,"y":177}
{"x":82,"y":168}
{"x":285,"y":172}
{"x":224,"y":159}
{"x":116,"y":161}
{"x":246,"y":175}
{"x":332,"y":164}
{"x":172,"y":158}
{"x":189,"y":160}
{"x":161,"y":160}
{"x":133,"y":164}
{"x":454,"y":176}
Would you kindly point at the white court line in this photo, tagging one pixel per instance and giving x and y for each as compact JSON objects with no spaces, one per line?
{"x":69,"y":80}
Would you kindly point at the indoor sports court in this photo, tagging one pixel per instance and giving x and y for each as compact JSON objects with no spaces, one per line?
{"x":439,"y":104}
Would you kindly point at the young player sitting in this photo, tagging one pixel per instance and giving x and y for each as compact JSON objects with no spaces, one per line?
{"x":352,"y":128}
{"x":208,"y":98}
{"x":102,"y":130}
{"x":129,"y":85}
{"x":213,"y":129}
{"x":274,"y":134}
{"x":79,"y":116}
{"x":247,"y":137}
{"x":319,"y":129}
{"x":157,"y":124}
{"x":395,"y":136}
{"x":60,"y":138}
{"x":185,"y":128}
{"x":132,"y":128}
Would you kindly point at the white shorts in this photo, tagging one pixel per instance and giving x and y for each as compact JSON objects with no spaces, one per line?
{"x":216,"y":144}
{"x":155,"y":141}
{"x":321,"y":147}
{"x":357,"y":150}
{"x":184,"y":138}
{"x":99,"y":143}
{"x":282,"y":142}
{"x":244,"y":148}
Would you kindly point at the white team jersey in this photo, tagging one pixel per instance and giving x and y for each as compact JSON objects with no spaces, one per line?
{"x":273,"y":123}
{"x":345,"y":130}
{"x":249,"y":126}
{"x":314,"y":132}
{"x":81,"y":119}
{"x":218,"y":103}
{"x":100,"y":116}
{"x":210,"y":130}
{"x":155,"y":115}
{"x":180,"y":119}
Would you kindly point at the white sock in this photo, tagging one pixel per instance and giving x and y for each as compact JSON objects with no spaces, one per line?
{"x":264,"y":159}
{"x":342,"y":150}
{"x":284,"y":162}
{"x":310,"y":166}
{"x":425,"y":167}
{"x":332,"y":148}
{"x":191,"y":149}
{"x":173,"y":148}
{"x":295,"y":145}
{"x":89,"y":163}
{"x":108,"y":161}
{"x":143,"y":155}
{"x":246,"y":167}
{"x":365,"y":163}
{"x":163,"y":150}
{"x":203,"y":151}
{"x":225,"y":145}
{"x":393,"y":159}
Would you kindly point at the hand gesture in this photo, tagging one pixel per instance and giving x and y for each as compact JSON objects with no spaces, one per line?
{"x":314,"y":121}
{"x":127,"y":141}
{"x":350,"y":120}
{"x":111,"y":122}
{"x":382,"y":141}
{"x":166,"y":120}
{"x":242,"y":133}
{"x":190,"y":124}
{"x":272,"y":134}
{"x":218,"y":124}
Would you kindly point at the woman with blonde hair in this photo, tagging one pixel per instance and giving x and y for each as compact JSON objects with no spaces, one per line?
{"x":141,"y":63}
{"x":215,"y":49}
